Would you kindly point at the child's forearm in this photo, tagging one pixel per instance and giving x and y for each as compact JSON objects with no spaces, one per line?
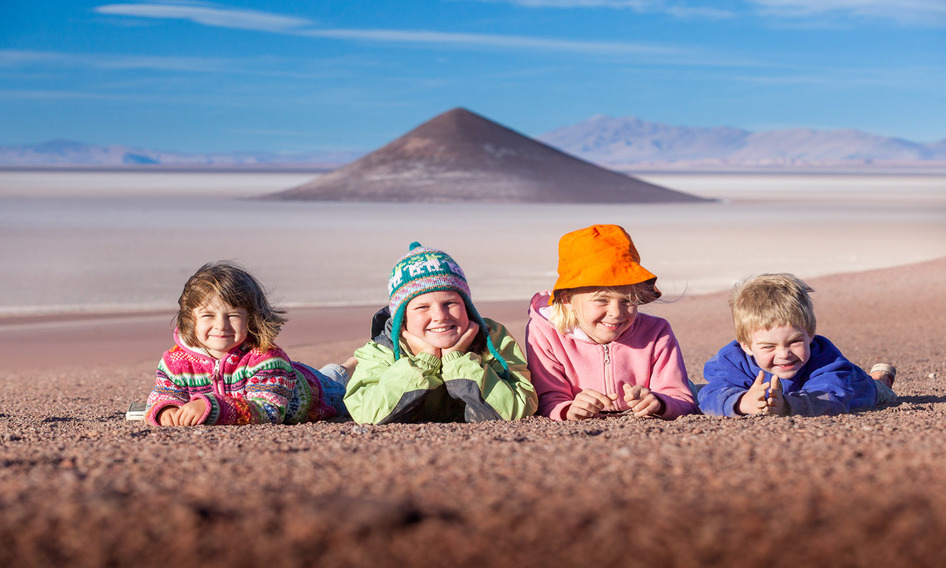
{"x":383,"y":390}
{"x":510,"y":399}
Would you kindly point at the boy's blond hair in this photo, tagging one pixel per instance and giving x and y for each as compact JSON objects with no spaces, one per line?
{"x":771,"y":300}
{"x":565,"y":319}
{"x":236,"y":287}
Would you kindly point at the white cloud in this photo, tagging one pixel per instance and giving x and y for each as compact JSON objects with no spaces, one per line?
{"x":261,"y":21}
{"x":922,"y":12}
{"x":676,"y":9}
{"x":209,"y":16}
{"x":53,"y":95}
{"x":919,"y":12}
{"x":492,"y":41}
{"x":13,"y":58}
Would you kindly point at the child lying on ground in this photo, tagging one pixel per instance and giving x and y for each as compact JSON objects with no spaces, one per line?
{"x":590,"y":350}
{"x":432,"y":357}
{"x":777,"y":365}
{"x":225,"y":368}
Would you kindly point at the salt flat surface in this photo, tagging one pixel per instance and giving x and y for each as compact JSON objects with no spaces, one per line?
{"x":94,"y":241}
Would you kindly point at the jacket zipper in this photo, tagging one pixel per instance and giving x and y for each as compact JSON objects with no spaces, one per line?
{"x":218,"y":388}
{"x":607,"y":362}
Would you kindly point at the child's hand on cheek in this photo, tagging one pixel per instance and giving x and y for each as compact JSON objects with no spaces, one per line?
{"x":588,"y":404}
{"x":466,"y":339}
{"x":641,"y":400}
{"x":191,"y":413}
{"x":753,"y":401}
{"x":418,"y":345}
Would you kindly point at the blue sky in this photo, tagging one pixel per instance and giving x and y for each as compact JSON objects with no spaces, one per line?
{"x":305,"y":76}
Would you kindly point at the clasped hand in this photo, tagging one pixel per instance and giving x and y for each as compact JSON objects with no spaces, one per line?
{"x":187,"y":415}
{"x":764,"y":397}
{"x":589,"y":403}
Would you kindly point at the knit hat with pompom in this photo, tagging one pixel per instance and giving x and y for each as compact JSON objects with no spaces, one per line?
{"x":423,"y":270}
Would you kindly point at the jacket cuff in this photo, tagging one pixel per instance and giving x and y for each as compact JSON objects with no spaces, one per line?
{"x":428,"y":361}
{"x":212,"y":408}
{"x":560,"y":410}
{"x":667,"y":411}
{"x":729,"y":405}
{"x":452,"y":356}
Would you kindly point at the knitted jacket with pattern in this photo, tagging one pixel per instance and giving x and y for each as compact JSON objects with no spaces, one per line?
{"x":248,"y":386}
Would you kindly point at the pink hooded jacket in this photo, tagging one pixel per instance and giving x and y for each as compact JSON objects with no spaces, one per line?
{"x":647,"y":354}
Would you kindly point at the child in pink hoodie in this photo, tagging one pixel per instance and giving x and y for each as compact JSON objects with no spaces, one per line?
{"x":589,"y":350}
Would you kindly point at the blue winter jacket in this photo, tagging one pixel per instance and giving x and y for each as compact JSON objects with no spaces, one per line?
{"x":827,"y":384}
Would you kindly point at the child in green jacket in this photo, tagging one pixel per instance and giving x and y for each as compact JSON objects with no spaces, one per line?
{"x":432,"y":357}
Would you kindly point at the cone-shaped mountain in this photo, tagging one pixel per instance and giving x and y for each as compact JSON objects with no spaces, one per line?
{"x":461,"y":156}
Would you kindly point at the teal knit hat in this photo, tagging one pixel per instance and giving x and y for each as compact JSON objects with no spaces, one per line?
{"x":423,"y":270}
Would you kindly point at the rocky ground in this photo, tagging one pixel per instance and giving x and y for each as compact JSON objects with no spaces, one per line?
{"x":80,"y":486}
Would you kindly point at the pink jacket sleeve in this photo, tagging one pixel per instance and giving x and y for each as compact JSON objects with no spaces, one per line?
{"x":548,"y":373}
{"x":668,"y":379}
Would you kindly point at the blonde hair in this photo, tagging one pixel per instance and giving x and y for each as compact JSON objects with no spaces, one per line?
{"x":564,"y":318}
{"x":771,"y":300}
{"x":236,"y":287}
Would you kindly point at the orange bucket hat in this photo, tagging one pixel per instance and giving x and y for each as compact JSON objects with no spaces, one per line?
{"x":599,"y":256}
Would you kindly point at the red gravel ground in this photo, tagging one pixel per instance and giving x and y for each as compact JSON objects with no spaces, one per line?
{"x":80,"y":486}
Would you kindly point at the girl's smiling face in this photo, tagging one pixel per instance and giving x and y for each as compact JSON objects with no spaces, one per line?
{"x":781,"y":351}
{"x":439,"y":318}
{"x":220,"y":327}
{"x":602,"y":314}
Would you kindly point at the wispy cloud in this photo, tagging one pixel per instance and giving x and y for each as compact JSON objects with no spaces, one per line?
{"x":55,"y":95}
{"x":675,"y":9}
{"x":493,"y":41}
{"x":918,"y":12}
{"x":14,"y":58}
{"x":209,"y":15}
{"x":261,"y":21}
{"x":271,"y":132}
{"x":914,"y":12}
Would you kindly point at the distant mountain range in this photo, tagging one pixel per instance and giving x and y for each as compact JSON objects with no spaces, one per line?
{"x":615,"y":142}
{"x":627,"y":141}
{"x":65,"y":153}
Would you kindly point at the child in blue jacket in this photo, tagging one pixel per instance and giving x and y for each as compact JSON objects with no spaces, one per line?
{"x":777,"y":365}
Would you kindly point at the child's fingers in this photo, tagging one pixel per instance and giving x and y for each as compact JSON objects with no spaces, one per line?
{"x":649,"y":405}
{"x":473,"y":328}
{"x":418,"y":345}
{"x":466,"y":338}
{"x":776,"y":384}
{"x":166,"y":416}
{"x":596,"y":399}
{"x":583,"y":408}
{"x":759,"y":380}
{"x":410,"y":337}
{"x":632,"y":393}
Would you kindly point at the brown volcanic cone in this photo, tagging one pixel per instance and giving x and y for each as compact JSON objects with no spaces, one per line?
{"x":461,"y":156}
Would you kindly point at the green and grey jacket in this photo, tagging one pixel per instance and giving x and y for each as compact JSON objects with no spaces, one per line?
{"x":461,"y":387}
